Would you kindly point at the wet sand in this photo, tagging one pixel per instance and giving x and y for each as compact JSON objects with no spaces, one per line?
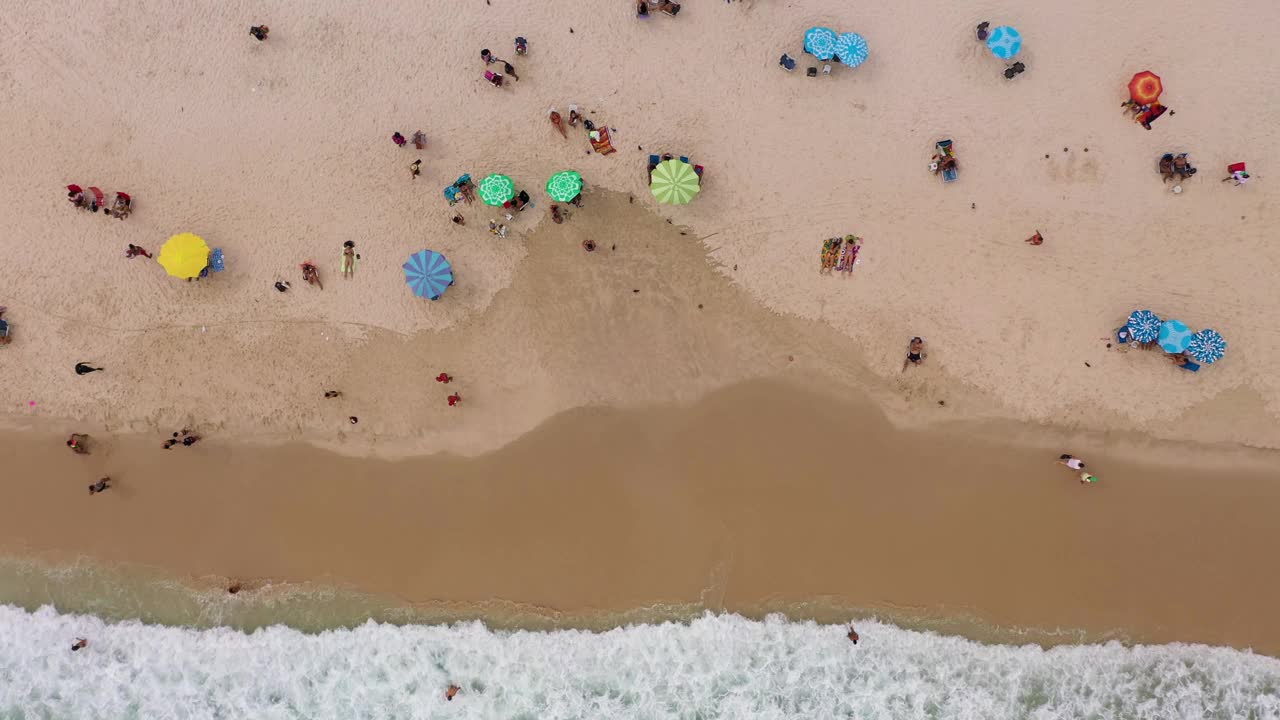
{"x":762,"y":496}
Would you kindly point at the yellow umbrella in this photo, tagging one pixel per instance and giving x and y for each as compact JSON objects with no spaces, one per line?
{"x":184,"y":256}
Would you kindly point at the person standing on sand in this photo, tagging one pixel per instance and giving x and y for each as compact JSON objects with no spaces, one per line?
{"x":454,"y":399}
{"x":915,"y":353}
{"x":415,"y":168}
{"x":510,"y":69}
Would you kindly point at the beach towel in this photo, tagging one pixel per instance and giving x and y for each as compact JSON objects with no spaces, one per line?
{"x":600,"y":141}
{"x":343,"y":261}
{"x":216,"y":262}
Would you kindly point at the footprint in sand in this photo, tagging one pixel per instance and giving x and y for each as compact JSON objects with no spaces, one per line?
{"x":1072,"y":165}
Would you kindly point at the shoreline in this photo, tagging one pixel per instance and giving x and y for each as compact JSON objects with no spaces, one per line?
{"x":738,"y":503}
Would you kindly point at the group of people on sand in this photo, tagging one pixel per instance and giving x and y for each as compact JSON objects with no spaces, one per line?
{"x":663,"y":6}
{"x":120,"y":209}
{"x":186,"y":438}
{"x":496,"y":79}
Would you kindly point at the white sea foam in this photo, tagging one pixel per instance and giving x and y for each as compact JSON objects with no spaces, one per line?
{"x":716,"y":667}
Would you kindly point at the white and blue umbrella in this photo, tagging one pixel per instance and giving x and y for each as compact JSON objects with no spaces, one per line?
{"x":1207,"y":346}
{"x":1004,"y":42}
{"x":428,"y":274}
{"x":820,"y":42}
{"x":851,"y":48}
{"x":1174,"y":336}
{"x":1145,"y":325}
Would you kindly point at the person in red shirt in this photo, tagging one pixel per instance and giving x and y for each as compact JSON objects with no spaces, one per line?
{"x":454,"y":399}
{"x":443,"y":378}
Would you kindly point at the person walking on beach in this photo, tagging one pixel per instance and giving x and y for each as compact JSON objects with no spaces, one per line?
{"x":333,"y":394}
{"x":134,"y":251}
{"x":458,"y":219}
{"x":444,"y":378}
{"x":282,"y":285}
{"x":102,"y":485}
{"x":982,"y":31}
{"x":454,"y":399}
{"x":510,"y":69}
{"x":415,"y":168}
{"x":398,"y":139}
{"x":77,"y":443}
{"x":79,"y":644}
{"x":260,"y":32}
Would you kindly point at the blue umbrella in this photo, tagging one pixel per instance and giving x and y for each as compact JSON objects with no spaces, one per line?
{"x":1207,"y":346}
{"x":428,"y":273}
{"x":851,"y":49}
{"x":820,"y":42}
{"x":1004,"y":42}
{"x":1145,"y":325}
{"x":1174,"y":336}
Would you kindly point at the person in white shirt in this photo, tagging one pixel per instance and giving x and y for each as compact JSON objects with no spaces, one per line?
{"x":1071,"y":461}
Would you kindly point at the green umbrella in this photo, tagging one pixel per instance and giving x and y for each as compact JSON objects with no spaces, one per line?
{"x":564,"y":186}
{"x":673,"y":182}
{"x":497,"y":189}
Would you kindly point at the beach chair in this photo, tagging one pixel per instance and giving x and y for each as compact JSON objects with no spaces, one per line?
{"x":1190,"y":366}
{"x":216,"y":262}
{"x":787,"y":62}
{"x":653,"y":162}
{"x":944,"y":151}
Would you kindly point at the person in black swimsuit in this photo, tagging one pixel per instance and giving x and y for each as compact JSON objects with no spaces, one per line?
{"x":915,"y":353}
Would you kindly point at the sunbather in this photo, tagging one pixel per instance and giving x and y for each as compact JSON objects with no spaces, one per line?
{"x":494,"y":78}
{"x":311,"y":274}
{"x":556,"y":217}
{"x":915,"y":353}
{"x":557,"y":121}
{"x":574,"y":116}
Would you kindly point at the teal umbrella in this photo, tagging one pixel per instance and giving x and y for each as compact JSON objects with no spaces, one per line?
{"x":564,"y":186}
{"x":497,"y":189}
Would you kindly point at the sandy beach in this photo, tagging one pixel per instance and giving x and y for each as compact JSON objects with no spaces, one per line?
{"x":692,"y":413}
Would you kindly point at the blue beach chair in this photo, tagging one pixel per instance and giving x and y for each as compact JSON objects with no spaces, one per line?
{"x":216,"y":261}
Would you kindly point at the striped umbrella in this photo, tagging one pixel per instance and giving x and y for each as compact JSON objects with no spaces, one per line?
{"x":1145,"y":325}
{"x":1004,"y":42}
{"x":564,"y":185}
{"x":428,"y":274}
{"x":497,"y":189}
{"x":851,"y":48}
{"x":1207,"y":346}
{"x":673,"y":182}
{"x":1174,"y":336}
{"x":820,"y":42}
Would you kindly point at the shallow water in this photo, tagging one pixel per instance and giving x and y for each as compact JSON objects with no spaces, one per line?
{"x":717,"y":666}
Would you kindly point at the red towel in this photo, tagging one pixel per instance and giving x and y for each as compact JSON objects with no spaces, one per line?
{"x":1236,"y":167}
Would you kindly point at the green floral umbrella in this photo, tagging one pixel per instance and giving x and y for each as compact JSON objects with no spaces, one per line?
{"x":673,"y":182}
{"x":497,"y":189}
{"x":564,"y":185}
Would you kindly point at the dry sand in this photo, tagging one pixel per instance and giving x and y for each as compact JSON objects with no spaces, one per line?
{"x":279,"y":151}
{"x":761,"y":497}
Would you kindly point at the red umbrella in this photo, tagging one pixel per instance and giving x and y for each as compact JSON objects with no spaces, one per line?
{"x":1145,"y":88}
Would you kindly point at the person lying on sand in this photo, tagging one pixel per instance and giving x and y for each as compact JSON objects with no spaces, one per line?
{"x":915,"y":353}
{"x":102,"y":485}
{"x":1071,"y":461}
{"x":311,"y":274}
{"x":1036,"y":239}
{"x":557,"y":121}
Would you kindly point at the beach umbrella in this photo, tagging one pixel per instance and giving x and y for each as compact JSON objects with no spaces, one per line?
{"x":1145,"y":325}
{"x":820,"y":42}
{"x":497,"y":189}
{"x":184,"y":256}
{"x":1004,"y":42}
{"x":1207,"y":346}
{"x":564,"y":186}
{"x":428,"y":274}
{"x":1145,"y":88}
{"x":851,"y":48}
{"x":1174,"y":336}
{"x":673,"y":182}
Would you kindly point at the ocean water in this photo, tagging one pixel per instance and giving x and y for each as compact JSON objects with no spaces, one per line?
{"x":716,"y":666}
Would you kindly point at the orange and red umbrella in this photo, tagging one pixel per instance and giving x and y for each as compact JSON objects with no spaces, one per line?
{"x":1145,"y":88}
